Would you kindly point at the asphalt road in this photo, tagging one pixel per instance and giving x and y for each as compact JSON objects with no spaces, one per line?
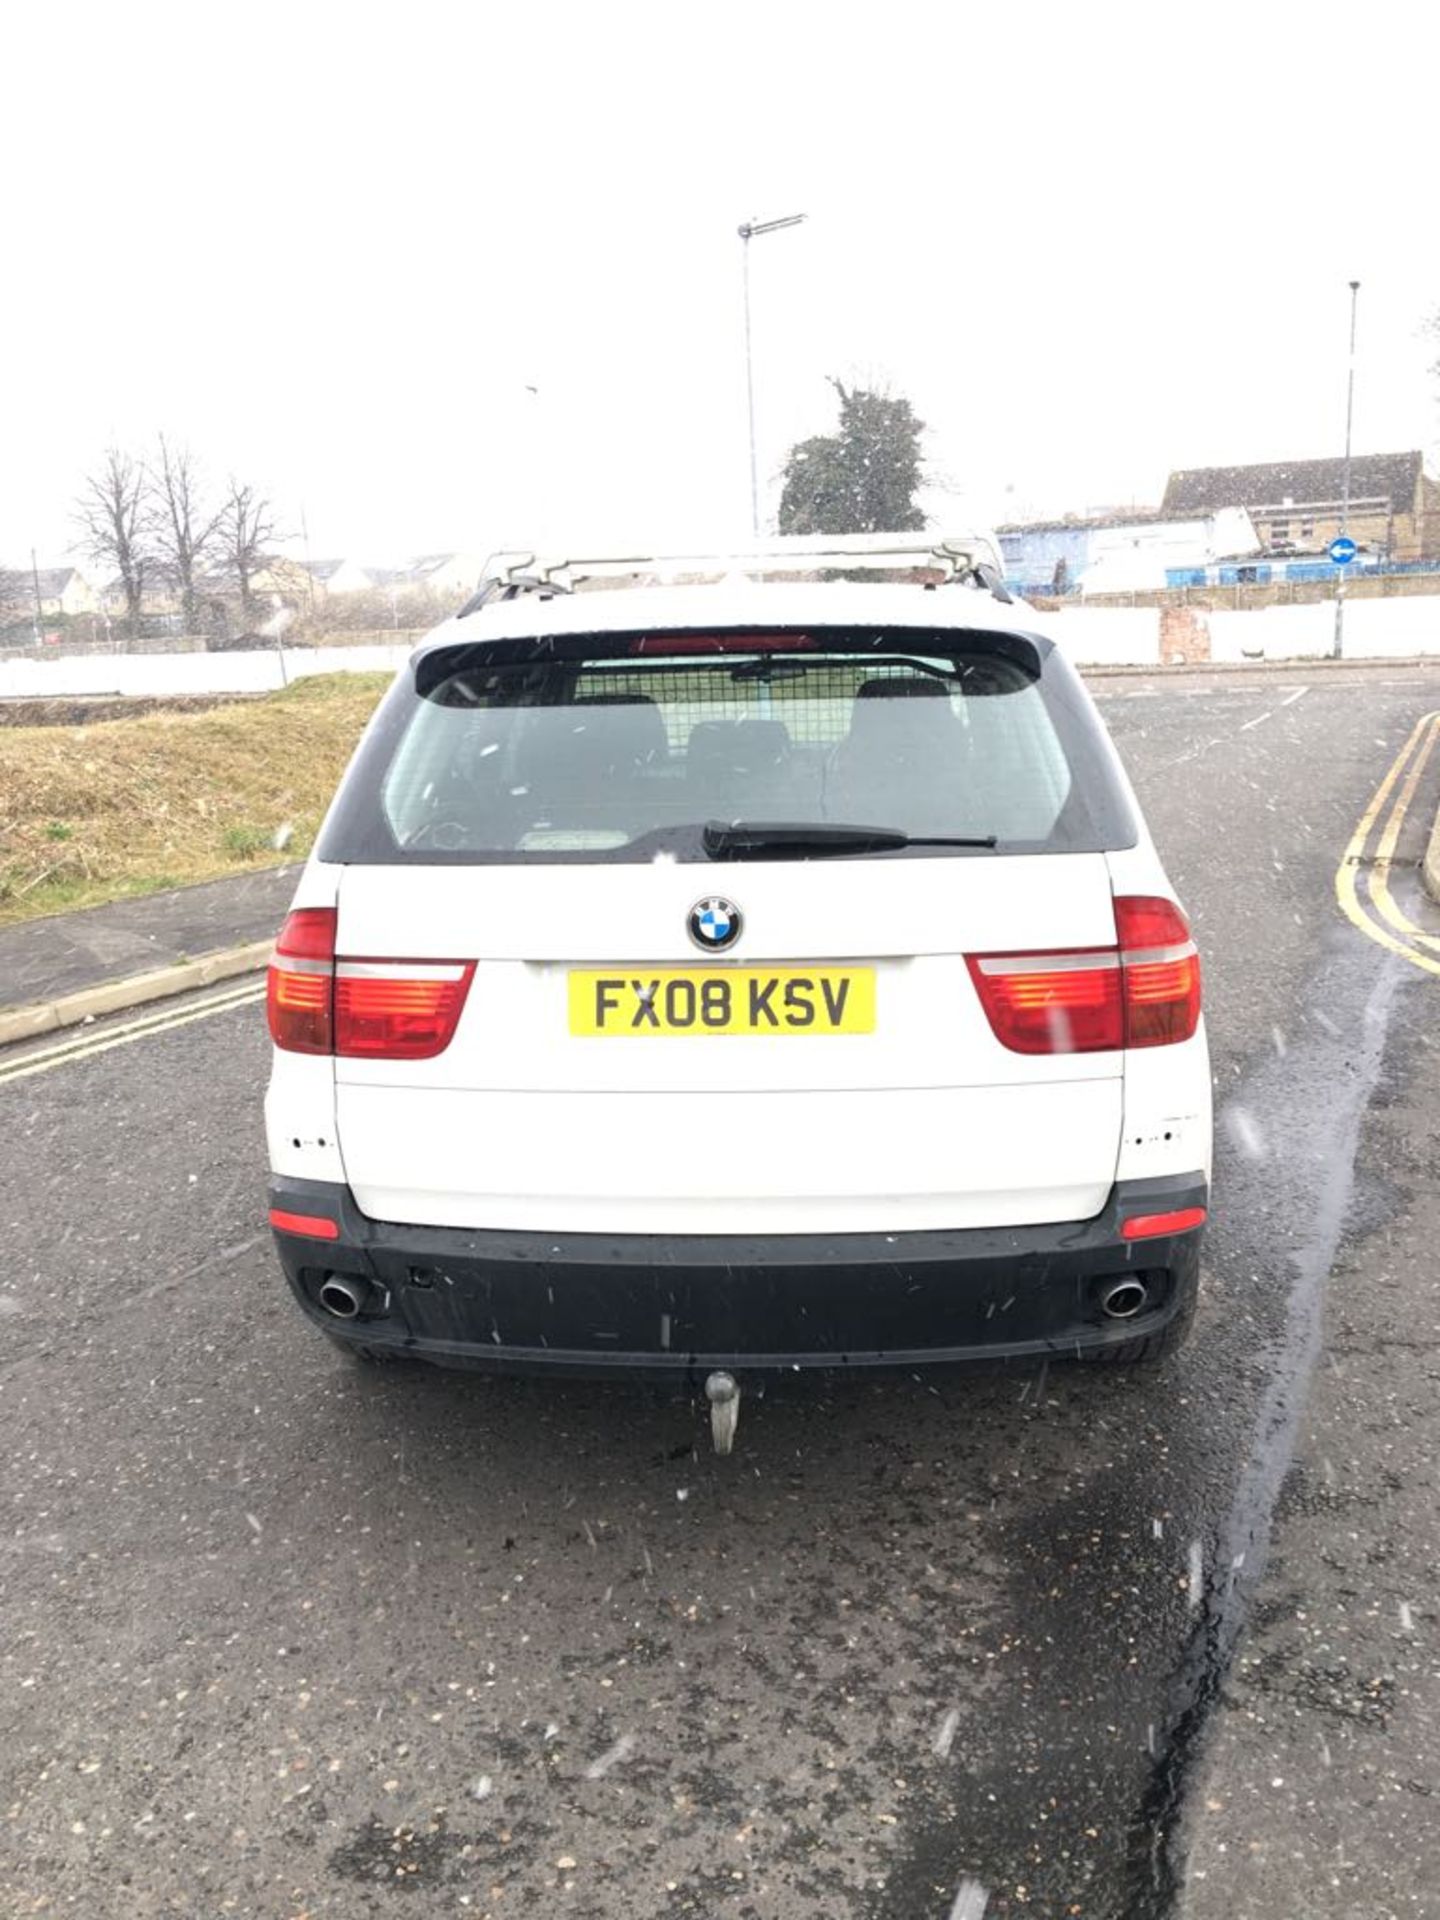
{"x":284,"y":1637}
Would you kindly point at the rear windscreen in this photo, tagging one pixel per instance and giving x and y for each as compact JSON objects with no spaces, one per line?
{"x":626,"y":747}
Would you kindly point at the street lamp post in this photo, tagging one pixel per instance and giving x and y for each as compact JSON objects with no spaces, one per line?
{"x":747,"y":233}
{"x":1345,"y":486}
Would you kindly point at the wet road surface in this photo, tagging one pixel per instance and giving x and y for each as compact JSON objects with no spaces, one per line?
{"x":285,"y":1637}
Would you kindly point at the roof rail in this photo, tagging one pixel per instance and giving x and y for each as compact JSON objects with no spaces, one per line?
{"x":972,"y":558}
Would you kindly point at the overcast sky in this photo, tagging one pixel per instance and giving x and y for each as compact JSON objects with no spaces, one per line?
{"x":334,"y":247}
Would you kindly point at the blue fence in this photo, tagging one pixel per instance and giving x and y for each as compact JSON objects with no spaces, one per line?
{"x":1264,"y":573}
{"x":1230,"y":573}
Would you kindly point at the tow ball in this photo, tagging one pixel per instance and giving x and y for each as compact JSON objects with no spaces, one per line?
{"x":723,"y":1394}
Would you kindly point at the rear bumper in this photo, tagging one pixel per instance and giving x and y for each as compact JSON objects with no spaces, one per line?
{"x":671,"y":1306}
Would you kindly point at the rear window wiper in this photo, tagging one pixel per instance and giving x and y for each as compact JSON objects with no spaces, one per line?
{"x":738,"y":839}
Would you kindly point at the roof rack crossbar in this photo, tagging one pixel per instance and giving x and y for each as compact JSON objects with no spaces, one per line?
{"x":968,"y":558}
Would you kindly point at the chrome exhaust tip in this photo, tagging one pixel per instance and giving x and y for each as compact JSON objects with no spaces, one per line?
{"x":344,"y":1297}
{"x":1123,"y":1299}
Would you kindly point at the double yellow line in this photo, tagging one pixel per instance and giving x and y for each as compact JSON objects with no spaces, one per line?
{"x":1379,"y":916}
{"x":85,"y":1046}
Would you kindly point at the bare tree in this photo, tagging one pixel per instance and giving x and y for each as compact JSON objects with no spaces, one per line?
{"x":245,"y":533}
{"x":184,"y":527}
{"x":111,"y":516}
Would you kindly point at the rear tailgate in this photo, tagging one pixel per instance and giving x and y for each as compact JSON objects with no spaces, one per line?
{"x":925,"y":1121}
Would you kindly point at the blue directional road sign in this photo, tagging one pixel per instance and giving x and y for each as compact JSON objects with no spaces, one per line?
{"x":1342,"y":550}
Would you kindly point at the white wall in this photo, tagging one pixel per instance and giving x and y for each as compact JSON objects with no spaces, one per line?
{"x":1374,"y":630}
{"x":1103,"y":636}
{"x":162,"y":673}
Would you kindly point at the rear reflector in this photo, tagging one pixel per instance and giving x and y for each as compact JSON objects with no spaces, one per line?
{"x":1150,"y":1226}
{"x":1143,"y":992}
{"x":314,"y":1225}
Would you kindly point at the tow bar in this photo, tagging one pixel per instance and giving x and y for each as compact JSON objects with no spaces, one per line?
{"x":723,"y":1394}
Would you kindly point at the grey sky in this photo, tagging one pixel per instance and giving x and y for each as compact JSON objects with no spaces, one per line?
{"x":331,"y":247}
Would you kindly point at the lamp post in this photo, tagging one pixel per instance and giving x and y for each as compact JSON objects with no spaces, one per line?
{"x":747,"y":233}
{"x":1345,"y":485}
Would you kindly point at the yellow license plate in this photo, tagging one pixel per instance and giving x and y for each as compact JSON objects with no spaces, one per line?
{"x":693,"y":1000}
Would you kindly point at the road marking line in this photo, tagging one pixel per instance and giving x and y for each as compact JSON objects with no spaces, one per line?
{"x":1194,"y":753}
{"x":1299,"y":694}
{"x":1258,"y":721}
{"x":78,"y":1040}
{"x":104,"y":1042}
{"x":1385,"y":851}
{"x":1346,"y":891}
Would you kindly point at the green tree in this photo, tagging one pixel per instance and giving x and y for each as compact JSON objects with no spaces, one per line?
{"x":864,"y":478}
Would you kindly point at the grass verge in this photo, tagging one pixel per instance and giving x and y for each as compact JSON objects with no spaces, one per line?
{"x":126,"y":807}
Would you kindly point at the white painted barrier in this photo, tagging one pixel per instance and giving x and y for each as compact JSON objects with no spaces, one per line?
{"x":1374,"y":630}
{"x":1103,"y":636}
{"x":175,"y":673}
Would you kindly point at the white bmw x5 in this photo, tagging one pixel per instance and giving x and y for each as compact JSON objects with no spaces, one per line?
{"x":755,"y":973}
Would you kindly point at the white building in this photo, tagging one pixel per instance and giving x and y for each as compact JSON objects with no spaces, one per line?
{"x":1134,"y":559}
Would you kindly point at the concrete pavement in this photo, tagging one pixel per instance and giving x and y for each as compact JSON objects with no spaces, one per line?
{"x":82,"y":960}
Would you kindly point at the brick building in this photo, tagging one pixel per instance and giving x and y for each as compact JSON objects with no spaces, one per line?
{"x":1296,"y":505}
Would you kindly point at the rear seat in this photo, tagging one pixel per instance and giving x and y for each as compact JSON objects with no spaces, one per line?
{"x":738,"y":767}
{"x":581,"y":758}
{"x":903,"y":758}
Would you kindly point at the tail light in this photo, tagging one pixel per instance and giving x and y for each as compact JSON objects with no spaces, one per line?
{"x":398,"y":1009}
{"x":299,"y":990}
{"x":1161,"y":969}
{"x":1052,"y":1002}
{"x":1143,"y":992}
{"x":359,"y":1009}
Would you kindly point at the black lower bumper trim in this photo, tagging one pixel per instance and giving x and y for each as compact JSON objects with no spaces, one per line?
{"x":668,"y":1305}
